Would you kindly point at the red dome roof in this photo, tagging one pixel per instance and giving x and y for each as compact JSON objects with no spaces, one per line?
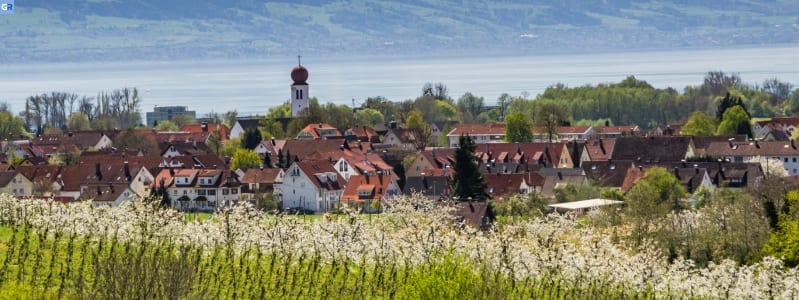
{"x":299,"y":74}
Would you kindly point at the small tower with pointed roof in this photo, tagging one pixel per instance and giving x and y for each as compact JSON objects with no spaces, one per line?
{"x":299,"y":89}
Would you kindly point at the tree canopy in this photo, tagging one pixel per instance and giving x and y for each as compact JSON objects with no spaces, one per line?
{"x":518,"y":128}
{"x":244,"y":158}
{"x":735,"y":121}
{"x":699,"y":124}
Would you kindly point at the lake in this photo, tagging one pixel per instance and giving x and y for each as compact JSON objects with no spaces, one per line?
{"x":252,"y":86}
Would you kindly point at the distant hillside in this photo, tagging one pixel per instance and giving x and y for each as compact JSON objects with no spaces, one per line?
{"x":156,"y":29}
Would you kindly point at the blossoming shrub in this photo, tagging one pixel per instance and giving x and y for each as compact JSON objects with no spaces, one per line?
{"x":412,"y":251}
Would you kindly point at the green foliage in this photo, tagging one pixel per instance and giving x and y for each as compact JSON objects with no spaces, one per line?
{"x":106,"y":267}
{"x":670,"y":190}
{"x":735,"y":121}
{"x":387,"y":108}
{"x":443,"y":139}
{"x":231,"y":147}
{"x":527,"y":206}
{"x":415,"y":121}
{"x":11,"y":126}
{"x":784,"y":240}
{"x":731,"y":100}
{"x":467,"y":183}
{"x":518,"y":128}
{"x":251,"y":138}
{"x":271,"y":128}
{"x":280,"y":111}
{"x":370,"y":117}
{"x":576,"y":192}
{"x":339,"y":116}
{"x":244,"y":158}
{"x":181,"y":120}
{"x":214,"y":142}
{"x":626,"y":103}
{"x":699,"y":124}
{"x":470,"y":106}
{"x":136,"y":140}
{"x":295,"y":126}
{"x":167,"y":125}
{"x":267,"y":202}
{"x":78,"y":121}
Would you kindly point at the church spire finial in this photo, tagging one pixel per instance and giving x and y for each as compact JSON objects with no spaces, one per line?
{"x":299,"y":61}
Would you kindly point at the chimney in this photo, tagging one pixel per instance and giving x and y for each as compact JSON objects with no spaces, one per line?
{"x":757,"y":145}
{"x":69,"y":133}
{"x":518,"y":148}
{"x":366,"y":175}
{"x":127,"y":171}
{"x":273,"y":141}
{"x":171,"y":170}
{"x":204,"y":126}
{"x":684,"y":165}
{"x":696,"y":168}
{"x":560,"y":175}
{"x":97,"y":172}
{"x":425,"y":184}
{"x":793,"y":145}
{"x":677,"y":172}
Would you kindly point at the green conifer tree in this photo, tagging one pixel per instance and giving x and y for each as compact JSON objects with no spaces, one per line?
{"x":467,"y":183}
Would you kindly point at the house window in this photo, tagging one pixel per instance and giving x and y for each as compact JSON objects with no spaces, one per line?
{"x":185,"y":192}
{"x":234,"y":191}
{"x":786,"y":159}
{"x":225,"y":191}
{"x":211,"y":192}
{"x":201,"y":192}
{"x":793,"y":159}
{"x":174,"y":192}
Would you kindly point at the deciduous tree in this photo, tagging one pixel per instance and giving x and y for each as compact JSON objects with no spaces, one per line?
{"x":699,"y":124}
{"x":735,"y":121}
{"x":518,"y":128}
{"x":245,"y":158}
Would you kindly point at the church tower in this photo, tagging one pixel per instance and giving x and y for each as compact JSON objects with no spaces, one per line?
{"x":299,"y":90}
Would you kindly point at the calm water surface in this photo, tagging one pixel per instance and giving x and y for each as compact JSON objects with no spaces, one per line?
{"x":251,"y":87}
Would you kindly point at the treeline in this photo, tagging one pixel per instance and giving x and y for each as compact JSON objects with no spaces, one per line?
{"x":634,"y":101}
{"x":116,"y":109}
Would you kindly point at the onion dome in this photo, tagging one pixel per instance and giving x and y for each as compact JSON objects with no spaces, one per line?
{"x":299,"y":74}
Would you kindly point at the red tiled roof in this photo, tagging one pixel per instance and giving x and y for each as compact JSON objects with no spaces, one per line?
{"x":616,"y":129}
{"x":753,"y":148}
{"x":632,"y":177}
{"x":198,"y":128}
{"x":478,"y":129}
{"x":311,"y":168}
{"x":377,"y":185}
{"x":600,"y":149}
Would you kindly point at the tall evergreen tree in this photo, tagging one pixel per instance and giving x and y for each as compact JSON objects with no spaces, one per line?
{"x":280,"y":160}
{"x":468,"y":183}
{"x":252,"y":137}
{"x":267,"y":160}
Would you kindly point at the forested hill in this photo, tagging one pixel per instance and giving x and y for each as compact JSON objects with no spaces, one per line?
{"x":144,"y":29}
